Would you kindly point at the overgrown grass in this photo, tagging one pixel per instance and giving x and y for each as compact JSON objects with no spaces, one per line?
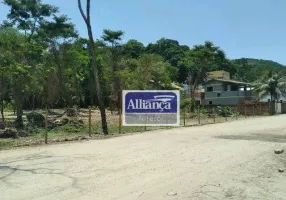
{"x":64,"y":131}
{"x":69,"y":132}
{"x":114,"y":129}
{"x":6,"y":143}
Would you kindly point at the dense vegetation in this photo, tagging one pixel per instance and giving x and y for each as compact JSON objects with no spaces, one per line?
{"x":44,"y":62}
{"x":249,"y":69}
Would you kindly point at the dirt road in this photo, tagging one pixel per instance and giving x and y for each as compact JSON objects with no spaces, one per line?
{"x":233,"y":160}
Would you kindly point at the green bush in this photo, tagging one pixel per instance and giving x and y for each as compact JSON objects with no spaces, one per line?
{"x":230,"y":109}
{"x":9,"y":133}
{"x":186,"y":103}
{"x":9,"y":106}
{"x":36,"y":119}
{"x":71,"y":112}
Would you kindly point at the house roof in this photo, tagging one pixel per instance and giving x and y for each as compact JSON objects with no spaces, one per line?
{"x":230,"y":81}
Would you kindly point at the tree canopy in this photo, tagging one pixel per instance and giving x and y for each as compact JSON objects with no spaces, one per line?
{"x":44,"y":62}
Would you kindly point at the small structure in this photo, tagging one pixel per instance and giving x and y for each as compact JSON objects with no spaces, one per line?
{"x":227,"y":92}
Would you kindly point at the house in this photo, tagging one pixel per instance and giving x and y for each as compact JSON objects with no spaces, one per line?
{"x":227,"y":92}
{"x":221,"y":90}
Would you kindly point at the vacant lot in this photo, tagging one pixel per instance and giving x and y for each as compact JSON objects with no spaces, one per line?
{"x":63,"y":128}
{"x":232,"y":160}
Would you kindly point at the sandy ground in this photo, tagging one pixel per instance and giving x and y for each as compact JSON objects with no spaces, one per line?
{"x":233,"y":160}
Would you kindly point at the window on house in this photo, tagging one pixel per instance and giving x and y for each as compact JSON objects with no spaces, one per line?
{"x":210,"y":102}
{"x":225,"y":87}
{"x":210,"y":89}
{"x":234,"y":88}
{"x":218,"y":94}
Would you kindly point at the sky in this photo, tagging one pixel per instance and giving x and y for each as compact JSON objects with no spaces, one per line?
{"x":242,"y":28}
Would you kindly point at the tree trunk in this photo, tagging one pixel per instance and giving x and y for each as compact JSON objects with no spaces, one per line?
{"x":2,"y":110}
{"x":193,"y":97}
{"x":2,"y":95}
{"x":18,"y":97}
{"x":33,"y":102}
{"x":19,"y":119}
{"x":98,"y":87}
{"x":116,"y":77}
{"x":94,"y":65}
{"x":63,"y":90}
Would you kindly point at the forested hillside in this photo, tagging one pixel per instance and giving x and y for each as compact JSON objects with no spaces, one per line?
{"x":252,"y":69}
{"x":264,"y":63}
{"x":44,"y":62}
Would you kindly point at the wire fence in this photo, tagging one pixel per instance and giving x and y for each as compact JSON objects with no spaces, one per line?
{"x":89,"y":120}
{"x":83,"y":123}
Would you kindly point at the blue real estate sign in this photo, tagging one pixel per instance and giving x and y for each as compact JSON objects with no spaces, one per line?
{"x":151,"y":107}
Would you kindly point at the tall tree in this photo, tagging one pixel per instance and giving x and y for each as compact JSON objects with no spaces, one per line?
{"x":114,"y":38}
{"x":28,"y":15}
{"x":20,"y":63}
{"x":86,"y":18}
{"x":200,"y":60}
{"x":150,"y":71}
{"x":241,"y":68}
{"x":58,"y":35}
{"x":172,"y":52}
{"x":40,"y":25}
{"x":4,"y":78}
{"x":133,"y":49}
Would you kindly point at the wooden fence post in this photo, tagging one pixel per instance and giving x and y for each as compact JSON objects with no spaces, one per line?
{"x":253,"y":110}
{"x":46,"y":126}
{"x":269,"y":108}
{"x":145,"y":127}
{"x":214,"y":114}
{"x":120,"y":110}
{"x":166,"y":122}
{"x":120,"y":121}
{"x":89,"y":121}
{"x":199,"y":115}
{"x":184,"y":116}
{"x":245,"y":110}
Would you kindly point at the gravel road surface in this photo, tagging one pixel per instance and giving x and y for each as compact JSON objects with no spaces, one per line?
{"x":233,"y":160}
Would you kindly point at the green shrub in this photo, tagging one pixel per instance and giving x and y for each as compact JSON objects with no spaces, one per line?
{"x":36,"y":119}
{"x":9,"y":133}
{"x":71,"y":112}
{"x":186,"y":103}
{"x":9,"y":106}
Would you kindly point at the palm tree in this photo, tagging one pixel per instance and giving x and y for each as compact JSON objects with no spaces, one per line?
{"x":273,"y":85}
{"x":113,"y":37}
